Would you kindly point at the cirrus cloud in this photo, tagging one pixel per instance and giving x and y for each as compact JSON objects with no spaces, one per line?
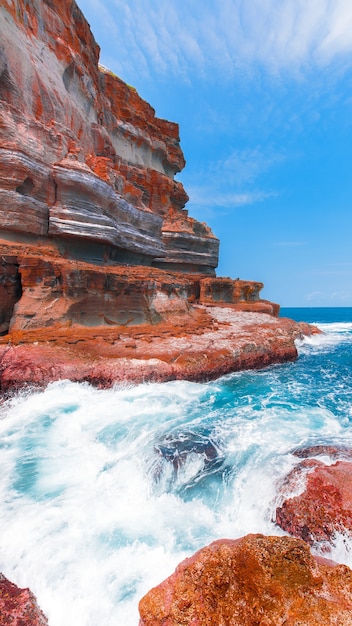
{"x":170,"y":37}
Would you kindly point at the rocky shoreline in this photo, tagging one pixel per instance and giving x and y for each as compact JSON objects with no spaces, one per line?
{"x":205,"y":344}
{"x":106,"y":279}
{"x":258,"y":579}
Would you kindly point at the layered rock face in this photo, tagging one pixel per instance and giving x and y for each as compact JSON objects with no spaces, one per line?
{"x":94,"y":236}
{"x":87,"y":186}
{"x":254,"y":580}
{"x":83,"y":157}
{"x":41,"y":289}
{"x":105,"y":278}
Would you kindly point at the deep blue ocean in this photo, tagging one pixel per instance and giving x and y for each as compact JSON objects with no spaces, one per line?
{"x":103,"y":493}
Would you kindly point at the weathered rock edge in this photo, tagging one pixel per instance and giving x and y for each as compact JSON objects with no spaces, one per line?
{"x":213,"y":341}
{"x":249,"y":581}
{"x":322,"y":507}
{"x":19,"y":607}
{"x":103,"y":275}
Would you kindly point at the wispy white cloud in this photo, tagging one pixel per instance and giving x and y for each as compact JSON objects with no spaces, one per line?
{"x":215,"y":197}
{"x":314,"y":296}
{"x":233,"y":180}
{"x":177,"y":37}
{"x":245,"y":166}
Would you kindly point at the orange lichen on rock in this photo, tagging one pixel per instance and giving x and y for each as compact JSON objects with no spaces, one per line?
{"x":272,"y":581}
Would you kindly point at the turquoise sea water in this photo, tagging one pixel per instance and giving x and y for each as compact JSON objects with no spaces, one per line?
{"x":103,"y":493}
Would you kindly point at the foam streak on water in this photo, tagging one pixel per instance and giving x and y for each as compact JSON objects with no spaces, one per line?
{"x":103,"y":493}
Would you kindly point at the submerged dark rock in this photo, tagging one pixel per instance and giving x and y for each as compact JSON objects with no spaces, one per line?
{"x":176,"y":448}
{"x":184,"y":460}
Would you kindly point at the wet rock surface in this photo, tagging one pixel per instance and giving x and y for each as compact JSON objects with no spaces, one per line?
{"x":18,"y":607}
{"x":323,"y":506}
{"x":176,"y":448}
{"x":249,"y":581}
{"x":184,"y":461}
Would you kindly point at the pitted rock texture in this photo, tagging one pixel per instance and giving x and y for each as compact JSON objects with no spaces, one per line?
{"x":18,"y":607}
{"x":272,"y":581}
{"x":83,"y":156}
{"x":323,"y":505}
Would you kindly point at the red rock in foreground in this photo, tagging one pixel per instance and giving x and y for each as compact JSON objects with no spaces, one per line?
{"x":324,"y":508}
{"x":18,"y":607}
{"x":254,"y":580}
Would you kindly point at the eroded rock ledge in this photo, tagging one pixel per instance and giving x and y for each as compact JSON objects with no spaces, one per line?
{"x":214,"y":341}
{"x":108,"y":324}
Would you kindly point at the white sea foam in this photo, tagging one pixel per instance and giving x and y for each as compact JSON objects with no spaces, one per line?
{"x":335,"y":327}
{"x":332,"y":335}
{"x":340,"y":550}
{"x":104,"y":492}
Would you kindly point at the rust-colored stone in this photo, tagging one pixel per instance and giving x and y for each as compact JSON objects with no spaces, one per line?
{"x":196,"y":343}
{"x":324,"y":508}
{"x":82,"y":154}
{"x":18,"y":607}
{"x":101,"y":245}
{"x":272,"y":581}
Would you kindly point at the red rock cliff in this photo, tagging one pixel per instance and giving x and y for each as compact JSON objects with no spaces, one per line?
{"x":94,"y":237}
{"x":103,"y":275}
{"x":83,"y":157}
{"x":19,"y":607}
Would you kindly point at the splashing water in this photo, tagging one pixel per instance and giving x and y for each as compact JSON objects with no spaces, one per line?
{"x":103,"y":493}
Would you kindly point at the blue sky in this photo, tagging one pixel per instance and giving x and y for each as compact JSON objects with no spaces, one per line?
{"x":262,"y":91}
